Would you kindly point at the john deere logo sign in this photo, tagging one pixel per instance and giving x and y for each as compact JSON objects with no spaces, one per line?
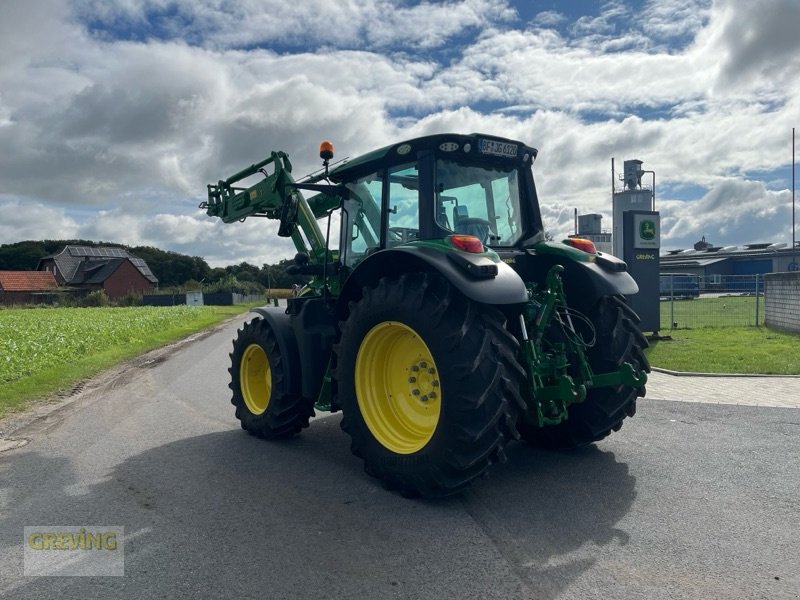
{"x":647,"y":230}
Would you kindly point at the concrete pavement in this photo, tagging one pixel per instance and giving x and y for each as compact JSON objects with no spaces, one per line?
{"x":742,"y":390}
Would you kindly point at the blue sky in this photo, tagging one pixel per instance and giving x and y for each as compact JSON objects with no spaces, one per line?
{"x":114,"y":115}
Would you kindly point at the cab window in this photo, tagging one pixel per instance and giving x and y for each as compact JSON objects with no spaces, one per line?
{"x":361,"y":224}
{"x":479,"y":200}
{"x":403,"y":205}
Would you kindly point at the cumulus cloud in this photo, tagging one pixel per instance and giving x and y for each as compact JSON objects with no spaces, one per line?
{"x":114,"y":116}
{"x":671,"y":19}
{"x":24,"y":220}
{"x":734,"y":212}
{"x":760,"y":40}
{"x":603,"y":24}
{"x":549,"y":18}
{"x":371,"y":24}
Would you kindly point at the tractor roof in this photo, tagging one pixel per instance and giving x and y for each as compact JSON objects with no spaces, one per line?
{"x":451,"y":141}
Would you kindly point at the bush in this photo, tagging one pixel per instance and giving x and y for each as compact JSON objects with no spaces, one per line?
{"x":94,"y":299}
{"x":231,"y":283}
{"x":130,"y":299}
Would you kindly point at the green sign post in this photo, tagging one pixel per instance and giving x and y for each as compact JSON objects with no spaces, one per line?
{"x":641,"y":245}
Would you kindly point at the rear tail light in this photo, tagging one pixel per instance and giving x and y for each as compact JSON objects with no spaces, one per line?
{"x":582,"y":244}
{"x":467,"y":243}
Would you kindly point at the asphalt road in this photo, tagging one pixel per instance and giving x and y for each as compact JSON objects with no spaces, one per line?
{"x":689,"y":500}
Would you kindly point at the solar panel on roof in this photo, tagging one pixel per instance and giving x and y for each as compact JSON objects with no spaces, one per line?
{"x":99,"y":252}
{"x":79,"y":252}
{"x":142,"y":266}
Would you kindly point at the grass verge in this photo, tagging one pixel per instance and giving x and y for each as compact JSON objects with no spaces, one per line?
{"x":44,"y":351}
{"x":751,"y":350}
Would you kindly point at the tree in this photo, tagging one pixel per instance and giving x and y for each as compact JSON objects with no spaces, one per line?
{"x":21,"y":256}
{"x":172,"y":268}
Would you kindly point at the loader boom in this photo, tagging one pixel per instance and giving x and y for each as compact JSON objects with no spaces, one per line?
{"x":274,"y":197}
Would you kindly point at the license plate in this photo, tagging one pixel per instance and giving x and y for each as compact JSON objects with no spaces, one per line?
{"x":496,"y":148}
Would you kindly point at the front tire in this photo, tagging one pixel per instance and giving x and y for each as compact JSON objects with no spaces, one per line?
{"x":618,"y":340}
{"x":428,"y":383}
{"x":265,"y":405}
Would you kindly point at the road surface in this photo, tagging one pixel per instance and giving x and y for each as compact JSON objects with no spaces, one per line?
{"x":688,"y":500}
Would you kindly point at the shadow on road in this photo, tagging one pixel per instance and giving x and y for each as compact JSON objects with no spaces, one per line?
{"x":228,"y":515}
{"x":550,"y":513}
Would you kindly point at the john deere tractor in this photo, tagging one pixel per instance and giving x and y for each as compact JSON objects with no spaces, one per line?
{"x":439,"y":320}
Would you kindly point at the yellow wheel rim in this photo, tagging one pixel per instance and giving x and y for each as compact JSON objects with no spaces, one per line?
{"x":397,"y":387}
{"x":255,"y":379}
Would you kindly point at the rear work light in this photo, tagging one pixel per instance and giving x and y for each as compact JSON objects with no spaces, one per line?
{"x":581,"y":244}
{"x":467,"y":243}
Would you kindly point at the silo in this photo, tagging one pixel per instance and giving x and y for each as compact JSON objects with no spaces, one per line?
{"x":632,"y":197}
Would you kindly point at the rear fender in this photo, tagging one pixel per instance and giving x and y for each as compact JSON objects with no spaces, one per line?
{"x":584,"y":280}
{"x":470,"y":274}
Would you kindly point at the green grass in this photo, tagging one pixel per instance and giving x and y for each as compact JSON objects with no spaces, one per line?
{"x":47,"y":350}
{"x":755,"y":350}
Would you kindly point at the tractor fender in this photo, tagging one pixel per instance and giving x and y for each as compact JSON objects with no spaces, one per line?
{"x":602,"y":282}
{"x":281,"y":326}
{"x":503,"y":288}
{"x":584,"y":280}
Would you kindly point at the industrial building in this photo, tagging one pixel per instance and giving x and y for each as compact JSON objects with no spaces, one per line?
{"x":712,"y":262}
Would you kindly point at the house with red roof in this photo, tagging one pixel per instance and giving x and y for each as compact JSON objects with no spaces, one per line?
{"x":26,"y":287}
{"x":114,"y":270}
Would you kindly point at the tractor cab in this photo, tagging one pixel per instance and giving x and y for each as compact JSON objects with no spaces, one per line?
{"x":436,"y":187}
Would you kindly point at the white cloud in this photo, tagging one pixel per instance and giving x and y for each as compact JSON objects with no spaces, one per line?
{"x":116,"y":139}
{"x":604,"y":23}
{"x":734,"y":212}
{"x":758,"y":41}
{"x":312,"y":23}
{"x":25,"y":220}
{"x":674,"y":18}
{"x":549,"y":18}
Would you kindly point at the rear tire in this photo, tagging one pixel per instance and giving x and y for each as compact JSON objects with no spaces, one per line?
{"x":428,"y":383}
{"x":619,"y":340}
{"x":265,"y":405}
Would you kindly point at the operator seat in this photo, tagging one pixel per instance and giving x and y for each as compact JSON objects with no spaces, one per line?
{"x":463,"y":223}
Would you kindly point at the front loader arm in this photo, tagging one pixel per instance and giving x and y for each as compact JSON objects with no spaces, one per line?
{"x":274,"y":197}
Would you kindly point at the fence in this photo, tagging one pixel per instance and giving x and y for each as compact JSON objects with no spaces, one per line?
{"x":782,"y":307}
{"x":689,"y":301}
{"x":216,"y":298}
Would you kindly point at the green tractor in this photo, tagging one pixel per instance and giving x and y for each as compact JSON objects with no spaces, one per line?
{"x":441,"y":322}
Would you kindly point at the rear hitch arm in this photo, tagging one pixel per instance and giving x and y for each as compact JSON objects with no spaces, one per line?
{"x":551,"y":388}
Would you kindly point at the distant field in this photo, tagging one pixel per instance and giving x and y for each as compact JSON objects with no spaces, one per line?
{"x":279,"y":293}
{"x":44,"y":350}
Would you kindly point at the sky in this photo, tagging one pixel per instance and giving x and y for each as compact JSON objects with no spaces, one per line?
{"x":114,"y":115}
